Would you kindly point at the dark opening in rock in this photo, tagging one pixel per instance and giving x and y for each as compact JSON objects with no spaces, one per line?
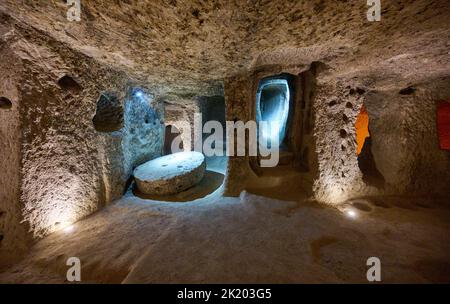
{"x":362,"y":206}
{"x":5,"y":103}
{"x":332,"y":103}
{"x":195,"y":13}
{"x":213,"y":108}
{"x":366,"y":163}
{"x":109,"y":114}
{"x":360,"y":91}
{"x":171,"y":133}
{"x":407,"y":91}
{"x":443,"y":124}
{"x":345,"y":118}
{"x":305,"y":160}
{"x":68,"y":83}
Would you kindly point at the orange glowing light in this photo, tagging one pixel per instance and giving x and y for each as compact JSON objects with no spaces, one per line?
{"x":362,"y":128}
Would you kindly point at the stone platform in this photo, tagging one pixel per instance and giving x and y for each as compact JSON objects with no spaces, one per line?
{"x":170,"y":174}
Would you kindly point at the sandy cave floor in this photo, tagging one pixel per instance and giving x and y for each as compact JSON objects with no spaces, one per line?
{"x":249,"y":239}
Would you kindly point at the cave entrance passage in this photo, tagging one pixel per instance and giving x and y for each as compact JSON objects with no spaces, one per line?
{"x":272,"y":106}
{"x":366,"y":160}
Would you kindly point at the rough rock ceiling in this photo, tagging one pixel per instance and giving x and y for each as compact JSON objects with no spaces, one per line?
{"x":194,"y":44}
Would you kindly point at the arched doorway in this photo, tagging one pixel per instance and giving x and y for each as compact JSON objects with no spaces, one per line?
{"x":272,"y":106}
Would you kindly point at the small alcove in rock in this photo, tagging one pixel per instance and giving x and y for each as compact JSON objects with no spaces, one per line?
{"x":109,"y":114}
{"x":5,"y":103}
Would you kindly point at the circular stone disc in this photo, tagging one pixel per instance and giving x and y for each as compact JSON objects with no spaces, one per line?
{"x":170,"y":174}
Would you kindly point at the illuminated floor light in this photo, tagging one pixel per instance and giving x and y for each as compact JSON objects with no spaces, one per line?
{"x":351,"y":213}
{"x":69,"y":229}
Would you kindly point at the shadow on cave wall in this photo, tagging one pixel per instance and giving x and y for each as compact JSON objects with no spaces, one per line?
{"x":366,"y":163}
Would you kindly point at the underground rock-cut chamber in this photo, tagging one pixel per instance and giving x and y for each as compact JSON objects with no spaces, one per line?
{"x":272,"y":107}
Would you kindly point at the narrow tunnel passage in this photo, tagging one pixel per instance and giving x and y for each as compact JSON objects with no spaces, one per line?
{"x":272,"y":106}
{"x":366,"y":161}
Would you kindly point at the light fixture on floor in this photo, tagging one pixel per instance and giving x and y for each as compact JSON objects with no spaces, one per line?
{"x":69,"y":229}
{"x":351,"y":213}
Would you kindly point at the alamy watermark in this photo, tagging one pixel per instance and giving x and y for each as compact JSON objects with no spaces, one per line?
{"x":374,"y":272}
{"x":74,"y":10}
{"x":239,"y":138}
{"x":74,"y":272}
{"x":373,"y":12}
